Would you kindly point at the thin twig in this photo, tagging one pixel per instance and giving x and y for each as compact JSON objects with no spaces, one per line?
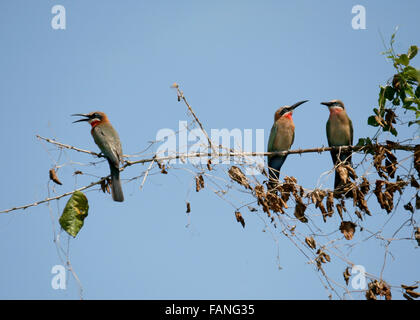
{"x":55,"y":198}
{"x":181,"y":96}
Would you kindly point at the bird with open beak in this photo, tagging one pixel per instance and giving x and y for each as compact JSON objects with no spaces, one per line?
{"x":339,"y":133}
{"x":281,"y":138}
{"x":108,"y":141}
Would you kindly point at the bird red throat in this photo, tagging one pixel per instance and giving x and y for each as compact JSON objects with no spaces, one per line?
{"x":335,"y":111}
{"x":94,"y":123}
{"x":288,"y":116}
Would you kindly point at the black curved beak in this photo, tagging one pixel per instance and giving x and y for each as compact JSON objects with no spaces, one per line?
{"x":297,"y":104}
{"x":328,"y":104}
{"x":81,"y":115}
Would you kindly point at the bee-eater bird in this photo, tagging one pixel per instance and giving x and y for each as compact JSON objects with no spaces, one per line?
{"x":281,"y":138}
{"x":108,"y":141}
{"x":339,"y":133}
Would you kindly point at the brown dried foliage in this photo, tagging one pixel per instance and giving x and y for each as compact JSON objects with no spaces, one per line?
{"x":239,"y":218}
{"x":388,"y":170}
{"x":348,"y":228}
{"x":53,"y":177}
{"x":378,"y":288}
{"x":322,"y":258}
{"x":237,"y":175}
{"x":199,"y":183}
{"x":105,"y":185}
{"x":346,"y":275}
{"x":310,"y":242}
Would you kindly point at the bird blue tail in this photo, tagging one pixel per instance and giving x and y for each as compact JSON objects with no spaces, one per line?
{"x":274,"y":166}
{"x":117,"y":193}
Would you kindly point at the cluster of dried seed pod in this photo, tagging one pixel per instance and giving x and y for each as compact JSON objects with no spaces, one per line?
{"x":238,"y":176}
{"x":384,"y":192}
{"x":388,"y":170}
{"x":199,"y":182}
{"x":240,"y":219}
{"x":322,"y":258}
{"x":359,"y":193}
{"x":378,"y":288}
{"x":310,"y":241}
{"x":345,"y":171}
{"x":162,"y":168}
{"x":348,"y":228}
{"x":409,"y":293}
{"x":105,"y":185}
{"x":276,"y":200}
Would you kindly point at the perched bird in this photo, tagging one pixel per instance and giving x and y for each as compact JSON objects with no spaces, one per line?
{"x":108,"y":141}
{"x":339,"y":133}
{"x":281,"y":138}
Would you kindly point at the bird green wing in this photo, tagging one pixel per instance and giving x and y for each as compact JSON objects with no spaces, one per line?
{"x":293,"y":138}
{"x":351,"y":132}
{"x":109,"y":143}
{"x":273,"y":134}
{"x":328,"y":133}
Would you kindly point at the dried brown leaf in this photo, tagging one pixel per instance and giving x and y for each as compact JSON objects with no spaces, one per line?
{"x":417,"y":201}
{"x":330,"y":204}
{"x":237,"y":175}
{"x":199,"y":183}
{"x":409,"y":287}
{"x":348,"y":228}
{"x":417,"y":235}
{"x":407,"y":296}
{"x":240,"y":219}
{"x":414,"y":183}
{"x":300,"y":212}
{"x":409,"y":207}
{"x":339,"y":210}
{"x":310,"y":242}
{"x":413,"y":294}
{"x":417,"y":159}
{"x":53,"y":177}
{"x":346,"y":275}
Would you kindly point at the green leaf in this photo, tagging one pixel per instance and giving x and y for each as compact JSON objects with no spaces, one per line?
{"x":364,"y":142}
{"x":381,"y":100}
{"x":403,"y":59}
{"x":396,"y":101}
{"x":372,"y":121}
{"x":412,"y":52}
{"x":417,"y":93}
{"x":74,"y":213}
{"x":411,"y":74}
{"x":361,"y":142}
{"x":412,"y":108}
{"x":394,"y":131}
{"x":413,"y":122}
{"x":389,"y":93}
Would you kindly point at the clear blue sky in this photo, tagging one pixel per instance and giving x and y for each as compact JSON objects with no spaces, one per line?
{"x":237,"y":61}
